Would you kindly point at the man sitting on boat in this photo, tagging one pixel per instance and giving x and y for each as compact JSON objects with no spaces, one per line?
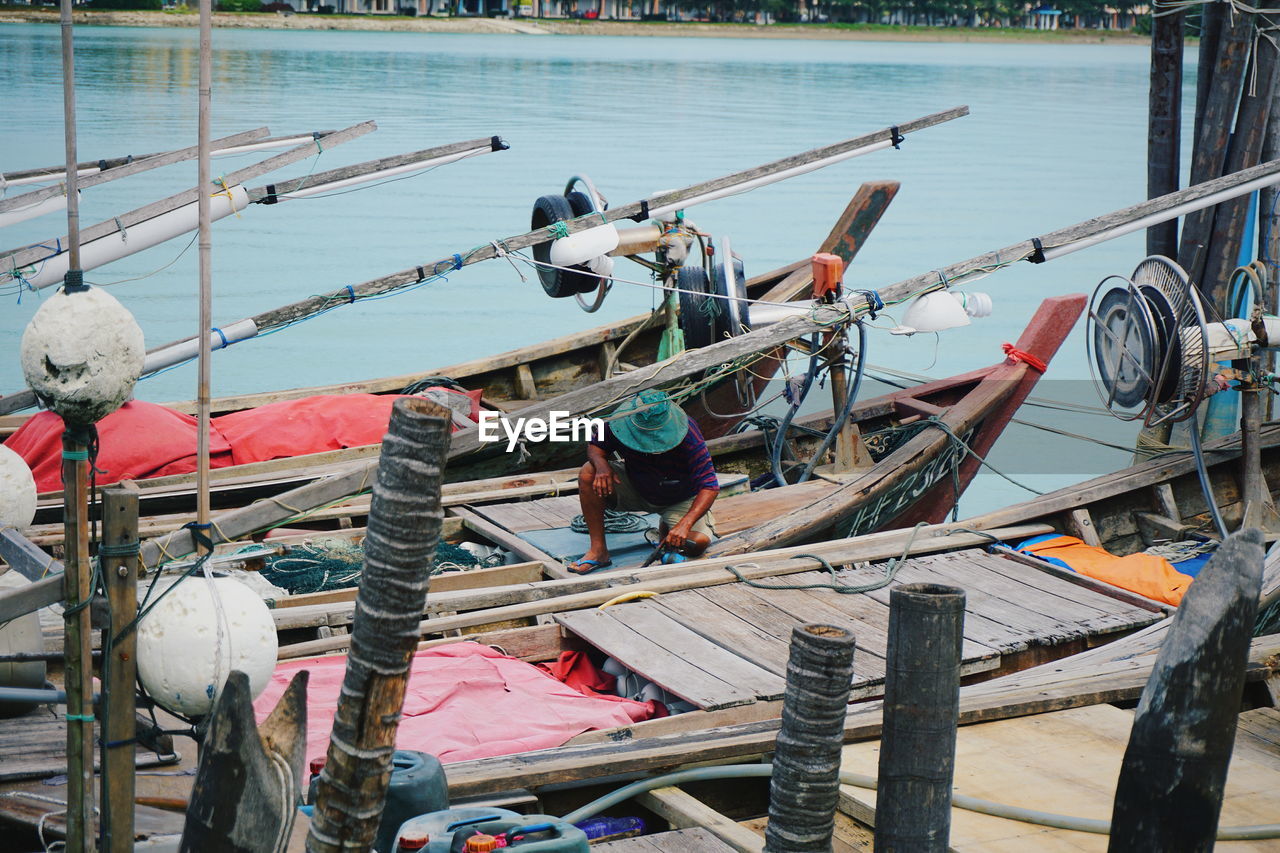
{"x":665,"y":468}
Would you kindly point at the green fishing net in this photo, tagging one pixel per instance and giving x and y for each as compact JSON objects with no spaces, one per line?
{"x":336,"y":563}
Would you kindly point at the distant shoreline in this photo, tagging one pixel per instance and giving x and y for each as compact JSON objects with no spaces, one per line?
{"x":544,"y":26}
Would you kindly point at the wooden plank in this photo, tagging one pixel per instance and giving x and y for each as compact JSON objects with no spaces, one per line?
{"x":21,"y":554}
{"x":1259,"y":732}
{"x":684,"y":811}
{"x":1112,"y":613}
{"x":695,"y":840}
{"x":780,"y":613}
{"x":1075,"y":579}
{"x":512,"y":516}
{"x":727,"y":627}
{"x":650,"y":620}
{"x":1067,"y":763}
{"x":664,"y":667}
{"x":510,"y":541}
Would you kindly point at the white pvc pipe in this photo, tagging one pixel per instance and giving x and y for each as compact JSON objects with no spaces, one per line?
{"x":1162,"y":216}
{"x":286,"y":142}
{"x":765,"y":180}
{"x":47,"y":178}
{"x":240,"y":330}
{"x":135,"y":238}
{"x":53,"y":204}
{"x":384,"y":173}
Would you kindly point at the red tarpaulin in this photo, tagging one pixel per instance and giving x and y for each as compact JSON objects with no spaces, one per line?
{"x":137,"y":440}
{"x":464,"y":701}
{"x":143,"y":440}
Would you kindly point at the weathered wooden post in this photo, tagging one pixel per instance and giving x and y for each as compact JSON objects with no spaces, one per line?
{"x":119,"y":556}
{"x":805,"y":786}
{"x":249,"y":783}
{"x":1170,"y":789}
{"x":1164,"y":123}
{"x":921,"y":708}
{"x":404,"y":527}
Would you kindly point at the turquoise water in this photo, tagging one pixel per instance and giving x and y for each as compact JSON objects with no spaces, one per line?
{"x":1057,"y":134}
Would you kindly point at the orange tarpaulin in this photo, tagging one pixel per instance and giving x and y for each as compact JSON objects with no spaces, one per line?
{"x":1146,"y":574}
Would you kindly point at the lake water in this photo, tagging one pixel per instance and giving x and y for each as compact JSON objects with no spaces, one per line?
{"x":1057,"y":134}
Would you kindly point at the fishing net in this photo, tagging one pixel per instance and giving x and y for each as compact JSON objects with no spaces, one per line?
{"x":337,"y":563}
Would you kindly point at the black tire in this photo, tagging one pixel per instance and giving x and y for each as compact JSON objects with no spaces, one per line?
{"x":581,"y":205}
{"x":727,"y":326}
{"x":559,"y":284}
{"x":696,"y":322}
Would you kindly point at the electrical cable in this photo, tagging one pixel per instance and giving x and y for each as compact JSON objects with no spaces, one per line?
{"x":850,"y":399}
{"x":1205,"y":486}
{"x":780,"y":437}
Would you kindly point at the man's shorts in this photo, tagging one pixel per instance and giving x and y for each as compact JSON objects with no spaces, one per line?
{"x":625,"y":497}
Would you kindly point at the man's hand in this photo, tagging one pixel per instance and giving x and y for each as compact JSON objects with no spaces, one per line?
{"x":677,"y":535}
{"x":603,"y":482}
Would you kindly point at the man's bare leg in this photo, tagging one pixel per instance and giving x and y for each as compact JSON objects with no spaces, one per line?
{"x":593,"y":506}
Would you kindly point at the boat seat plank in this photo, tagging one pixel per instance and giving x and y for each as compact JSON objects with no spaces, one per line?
{"x":1065,"y":762}
{"x":515,"y":517}
{"x":726,"y":626}
{"x":726,"y":664}
{"x":743,"y":512}
{"x":694,"y":840}
{"x":1259,"y":731}
{"x":668,"y":668}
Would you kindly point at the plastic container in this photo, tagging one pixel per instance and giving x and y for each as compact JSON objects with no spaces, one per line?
{"x":450,"y":829}
{"x":417,"y":786}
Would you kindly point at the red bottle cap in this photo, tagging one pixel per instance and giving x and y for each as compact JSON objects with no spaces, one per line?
{"x":414,"y":842}
{"x":317,"y":764}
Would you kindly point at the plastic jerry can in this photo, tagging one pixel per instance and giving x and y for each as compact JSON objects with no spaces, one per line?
{"x":450,"y":829}
{"x":417,"y":787}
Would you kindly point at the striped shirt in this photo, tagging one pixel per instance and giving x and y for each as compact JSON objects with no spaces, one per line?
{"x":667,"y":478}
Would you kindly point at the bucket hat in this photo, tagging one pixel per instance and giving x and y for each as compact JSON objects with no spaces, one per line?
{"x":650,"y":422}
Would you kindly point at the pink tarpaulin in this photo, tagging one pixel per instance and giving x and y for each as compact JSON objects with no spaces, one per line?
{"x":464,"y":701}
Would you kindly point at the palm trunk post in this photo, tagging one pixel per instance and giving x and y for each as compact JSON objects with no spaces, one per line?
{"x":404,"y":528}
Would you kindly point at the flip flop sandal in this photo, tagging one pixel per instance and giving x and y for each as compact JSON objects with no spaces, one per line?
{"x":591,"y":565}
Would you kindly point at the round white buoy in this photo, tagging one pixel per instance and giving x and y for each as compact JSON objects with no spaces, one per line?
{"x":82,"y":354}
{"x":183,"y":657}
{"x":17,"y":491}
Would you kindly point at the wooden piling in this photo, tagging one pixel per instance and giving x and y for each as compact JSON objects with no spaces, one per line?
{"x":1175,"y":767}
{"x":1220,"y":79}
{"x":119,"y":556}
{"x":404,"y":527}
{"x":805,"y":787}
{"x":921,"y":710}
{"x":1230,"y":219}
{"x":1164,"y":123}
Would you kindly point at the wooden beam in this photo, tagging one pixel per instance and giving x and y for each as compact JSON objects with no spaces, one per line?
{"x":684,"y":811}
{"x":27,"y":558}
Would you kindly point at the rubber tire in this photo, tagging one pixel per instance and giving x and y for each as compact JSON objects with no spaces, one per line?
{"x":699,"y":329}
{"x":559,"y":284}
{"x":581,"y":205}
{"x":725,"y":327}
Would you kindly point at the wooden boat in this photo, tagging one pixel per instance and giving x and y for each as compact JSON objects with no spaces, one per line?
{"x":515,"y":379}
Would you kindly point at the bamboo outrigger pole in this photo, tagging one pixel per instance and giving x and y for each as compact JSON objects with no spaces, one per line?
{"x":206,"y":277}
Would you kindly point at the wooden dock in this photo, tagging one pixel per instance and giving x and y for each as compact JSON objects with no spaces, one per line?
{"x":34,"y":746}
{"x":725,"y":646}
{"x":1067,"y":762}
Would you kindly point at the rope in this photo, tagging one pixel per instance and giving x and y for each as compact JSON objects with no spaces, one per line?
{"x":891,"y":571}
{"x":615,"y":521}
{"x":1016,"y":355}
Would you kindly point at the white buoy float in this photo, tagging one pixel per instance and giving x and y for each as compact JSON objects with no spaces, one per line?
{"x":198,"y":633}
{"x":17,"y":491}
{"x":82,"y":354}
